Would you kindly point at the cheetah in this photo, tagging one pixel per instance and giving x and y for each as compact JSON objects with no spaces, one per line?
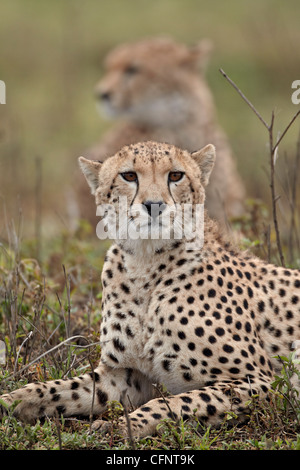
{"x":207,"y":322}
{"x":156,"y":88}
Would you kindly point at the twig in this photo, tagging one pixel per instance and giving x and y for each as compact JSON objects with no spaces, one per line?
{"x":57,"y":423}
{"x":244,"y":98}
{"x":18,"y":353}
{"x":67,"y":281}
{"x":272,"y":186}
{"x":19,"y":372}
{"x":38,"y":207}
{"x":130,"y":436}
{"x":285,"y":131}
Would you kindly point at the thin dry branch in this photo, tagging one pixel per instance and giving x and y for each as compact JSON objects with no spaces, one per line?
{"x":244,"y":98}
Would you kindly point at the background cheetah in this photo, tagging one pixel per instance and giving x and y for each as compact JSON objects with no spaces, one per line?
{"x":157,"y":88}
{"x":206,"y":323}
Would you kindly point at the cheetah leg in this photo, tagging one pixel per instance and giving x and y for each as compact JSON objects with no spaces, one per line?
{"x":208,"y":404}
{"x":80,"y":395}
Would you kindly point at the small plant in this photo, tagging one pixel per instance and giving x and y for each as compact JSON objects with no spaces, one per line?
{"x":288,"y":395}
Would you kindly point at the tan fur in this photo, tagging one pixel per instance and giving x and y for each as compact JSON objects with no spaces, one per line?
{"x":207,"y":323}
{"x":156,"y":88}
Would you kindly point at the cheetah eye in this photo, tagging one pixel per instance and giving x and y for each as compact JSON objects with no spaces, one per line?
{"x":175,"y":176}
{"x":131,"y":69}
{"x":130,"y":176}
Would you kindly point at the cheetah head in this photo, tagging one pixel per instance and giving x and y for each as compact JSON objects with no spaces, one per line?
{"x":148,"y":193}
{"x":148,"y":82}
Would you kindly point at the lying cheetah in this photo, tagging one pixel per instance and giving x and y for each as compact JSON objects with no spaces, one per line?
{"x":157,"y":88}
{"x":205,"y":322}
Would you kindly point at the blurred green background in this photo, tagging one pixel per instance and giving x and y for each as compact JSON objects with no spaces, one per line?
{"x":51,"y":57}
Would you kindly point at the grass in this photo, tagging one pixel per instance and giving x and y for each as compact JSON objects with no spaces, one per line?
{"x":49,"y":320}
{"x":51,"y":57}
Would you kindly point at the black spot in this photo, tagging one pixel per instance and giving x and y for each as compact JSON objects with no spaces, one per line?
{"x":215,"y":371}
{"x":239,"y":310}
{"x":61,"y":409}
{"x":207,"y":352}
{"x":102,"y":397}
{"x":118,"y":345}
{"x":166,"y":365}
{"x":129,"y":332}
{"x":211,"y":293}
{"x":125,"y":288}
{"x":113,"y":358}
{"x":211,"y":410}
{"x":250,"y":292}
{"x":186,"y":399}
{"x":220,"y":331}
{"x":187,"y":376}
{"x":145,"y":409}
{"x":199,"y":331}
{"x":180,"y":262}
{"x":205,"y":397}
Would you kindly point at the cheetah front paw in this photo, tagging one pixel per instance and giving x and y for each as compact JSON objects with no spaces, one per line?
{"x":121,"y":429}
{"x":107,"y":427}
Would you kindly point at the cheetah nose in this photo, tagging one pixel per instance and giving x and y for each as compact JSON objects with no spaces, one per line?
{"x":104,"y":96}
{"x":154,"y":208}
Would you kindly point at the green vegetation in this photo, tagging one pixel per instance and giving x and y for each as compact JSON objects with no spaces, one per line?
{"x":50,"y":295}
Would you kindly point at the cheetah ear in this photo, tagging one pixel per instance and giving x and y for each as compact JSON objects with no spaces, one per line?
{"x":205,"y":159}
{"x":200,"y":54}
{"x":90,"y":169}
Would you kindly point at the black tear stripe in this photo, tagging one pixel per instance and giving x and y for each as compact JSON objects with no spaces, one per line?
{"x":171,"y":193}
{"x":136,"y":193}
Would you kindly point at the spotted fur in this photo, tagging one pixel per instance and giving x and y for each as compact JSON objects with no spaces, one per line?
{"x":207,"y":323}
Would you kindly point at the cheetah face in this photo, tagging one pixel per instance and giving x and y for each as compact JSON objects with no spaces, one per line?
{"x":147,"y":82}
{"x":150,"y":192}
